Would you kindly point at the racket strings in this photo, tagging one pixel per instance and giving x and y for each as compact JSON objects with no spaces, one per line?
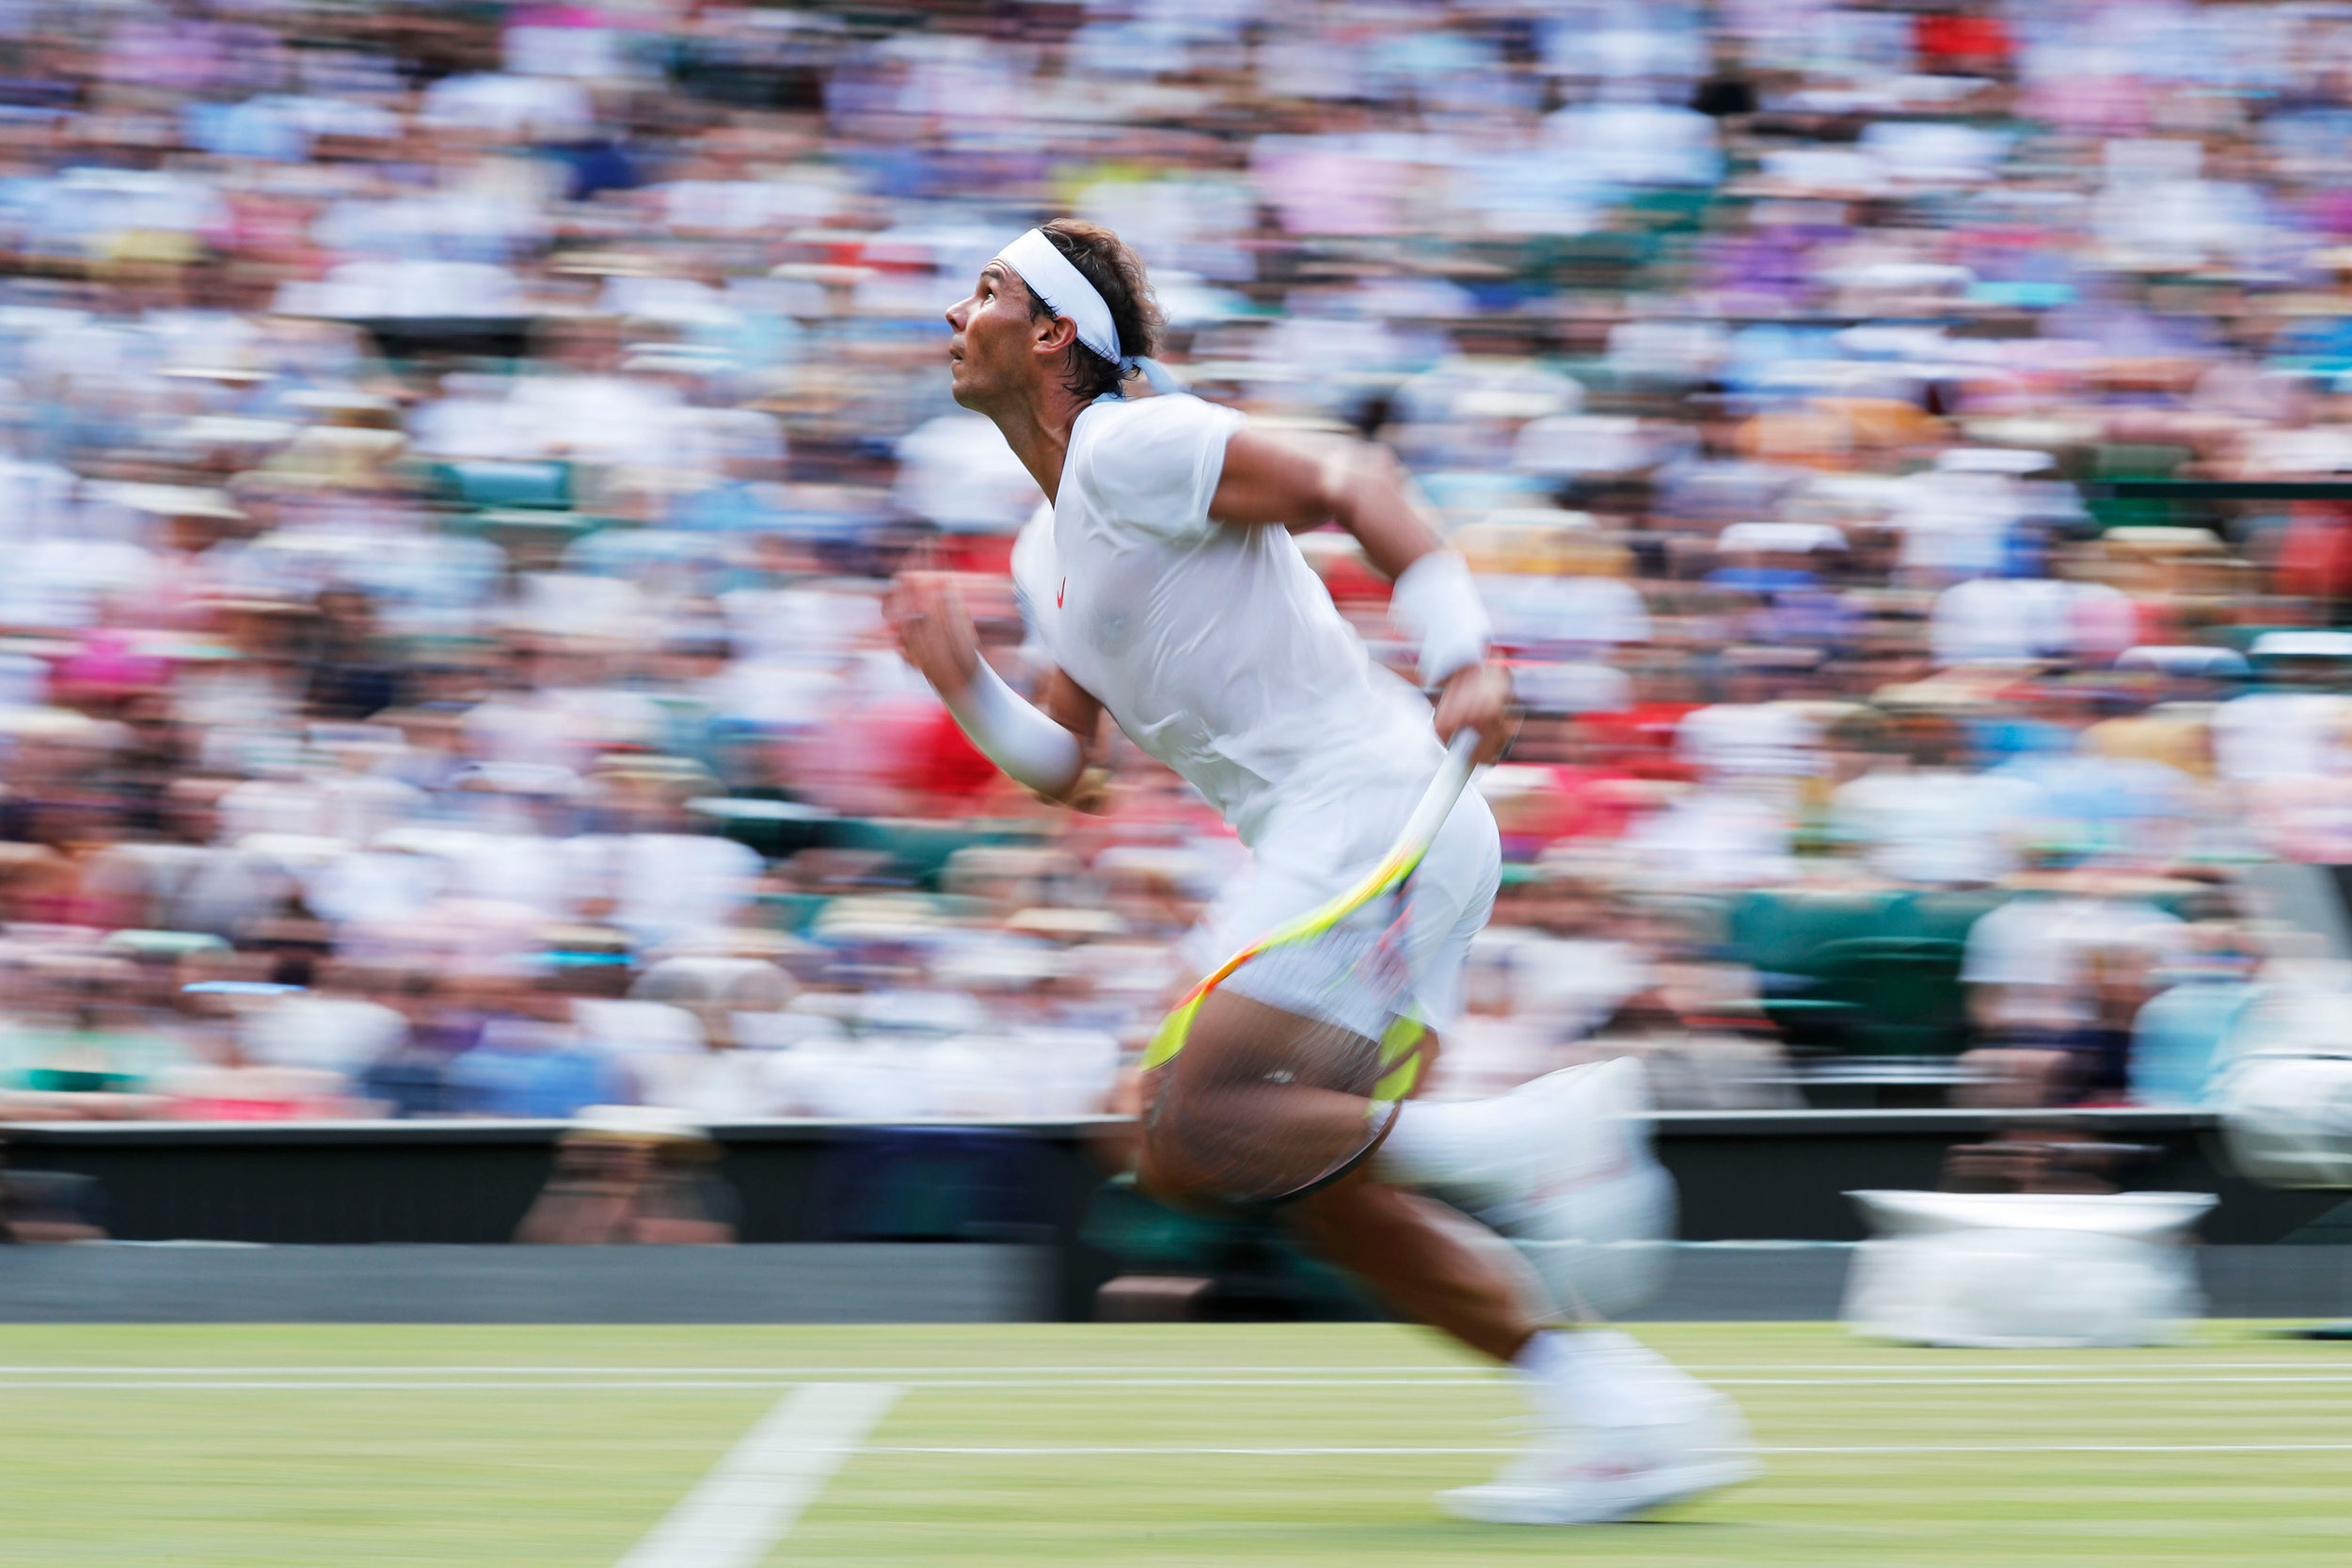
{"x":1257,"y":1107}
{"x":1356,"y":976}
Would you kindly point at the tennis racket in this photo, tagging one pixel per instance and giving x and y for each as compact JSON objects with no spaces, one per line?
{"x":1296,"y":1077}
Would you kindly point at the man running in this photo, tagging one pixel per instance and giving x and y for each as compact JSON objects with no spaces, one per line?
{"x":1171,"y":593}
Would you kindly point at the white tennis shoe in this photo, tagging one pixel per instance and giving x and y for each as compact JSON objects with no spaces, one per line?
{"x":1590,"y":1473}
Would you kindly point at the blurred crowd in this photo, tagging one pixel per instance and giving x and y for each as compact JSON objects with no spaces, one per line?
{"x":450,"y":458}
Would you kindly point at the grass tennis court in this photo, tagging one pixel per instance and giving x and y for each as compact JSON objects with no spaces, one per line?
{"x":1132,"y":1445}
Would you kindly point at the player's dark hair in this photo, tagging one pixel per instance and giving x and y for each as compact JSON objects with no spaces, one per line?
{"x":1117,"y":274}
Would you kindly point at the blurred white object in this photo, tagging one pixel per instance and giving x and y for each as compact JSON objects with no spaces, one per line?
{"x":2183,"y":659}
{"x":1572,"y":687}
{"x":718,"y":1085}
{"x":2025,"y":1271}
{"x":355,"y":289}
{"x":1713,"y":837}
{"x":668,"y":886}
{"x":2285,"y":1098}
{"x":2280,"y":735}
{"x":923,"y":1014}
{"x":2303,"y":644}
{"x":338,"y":1034}
{"x":956,"y":471}
{"x":2287,"y":1121}
{"x":1994,"y":460}
{"x":1935,"y":153}
{"x":1567,"y":445}
{"x":1733,"y":740}
{"x":1065,"y":1071}
{"x":1779,"y":538}
{"x":1998,"y":618}
{"x":1935,"y":825}
{"x":543,"y":107}
{"x":784,"y":1031}
{"x":2042,"y":952}
{"x":1637,"y":144}
{"x":1598,"y":1223}
{"x":1904,"y":277}
{"x":637,"y":1028}
{"x":1684,"y":350}
{"x":1530,"y":610}
{"x":851,"y":1079}
{"x":1958,"y":522}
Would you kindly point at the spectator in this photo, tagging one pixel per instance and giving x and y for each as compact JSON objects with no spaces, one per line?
{"x":449,"y":478}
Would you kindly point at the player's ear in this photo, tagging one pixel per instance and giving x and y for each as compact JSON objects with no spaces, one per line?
{"x":1051,"y":334}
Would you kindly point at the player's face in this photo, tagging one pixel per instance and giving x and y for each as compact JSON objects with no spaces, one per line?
{"x":991,"y":347}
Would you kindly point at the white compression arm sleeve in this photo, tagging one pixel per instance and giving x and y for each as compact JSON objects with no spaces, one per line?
{"x":1435,"y":603}
{"x":1015,"y":736}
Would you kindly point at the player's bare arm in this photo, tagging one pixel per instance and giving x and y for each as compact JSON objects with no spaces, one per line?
{"x":936,"y":634}
{"x":1274,"y":482}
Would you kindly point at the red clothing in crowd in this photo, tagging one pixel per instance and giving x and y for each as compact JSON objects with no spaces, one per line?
{"x":1640,"y":739}
{"x":2316,"y":560}
{"x":1960,"y":45}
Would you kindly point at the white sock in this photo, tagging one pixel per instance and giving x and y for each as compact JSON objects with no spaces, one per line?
{"x":1593,"y":1376}
{"x":1449,"y":1143}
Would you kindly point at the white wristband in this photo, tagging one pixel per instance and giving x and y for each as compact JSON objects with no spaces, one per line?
{"x":1015,"y":736}
{"x":1437,"y":603}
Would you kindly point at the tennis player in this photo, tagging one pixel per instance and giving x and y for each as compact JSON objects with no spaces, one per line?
{"x":1170,"y":594}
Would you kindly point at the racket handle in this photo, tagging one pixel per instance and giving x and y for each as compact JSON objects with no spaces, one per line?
{"x":1446,"y":788}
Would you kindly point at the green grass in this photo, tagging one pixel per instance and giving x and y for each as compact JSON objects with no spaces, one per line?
{"x":485,"y":1466}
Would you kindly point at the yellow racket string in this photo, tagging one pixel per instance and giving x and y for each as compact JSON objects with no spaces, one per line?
{"x":1169,"y":1039}
{"x":1401,"y":1059}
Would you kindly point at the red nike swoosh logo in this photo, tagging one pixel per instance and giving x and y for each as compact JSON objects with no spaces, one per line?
{"x":1059,"y":592}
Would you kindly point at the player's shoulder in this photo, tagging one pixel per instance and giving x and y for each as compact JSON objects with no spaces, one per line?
{"x":1152,"y":463}
{"x":1170,"y":414}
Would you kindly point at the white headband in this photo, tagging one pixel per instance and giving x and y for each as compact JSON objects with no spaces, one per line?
{"x":1054,"y":279}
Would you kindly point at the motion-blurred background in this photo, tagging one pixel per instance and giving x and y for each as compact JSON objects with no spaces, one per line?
{"x":454,"y":455}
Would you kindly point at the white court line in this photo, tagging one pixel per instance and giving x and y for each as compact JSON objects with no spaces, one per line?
{"x":1478,"y":1381}
{"x":2317,"y":1369}
{"x":796,"y":1374}
{"x":740,"y":1383}
{"x":747,"y":1502}
{"x":1074,"y":1451}
{"x":2078,"y":1448}
{"x":1997,"y":1381}
{"x":2089,"y":1360}
{"x":2088,"y":1365}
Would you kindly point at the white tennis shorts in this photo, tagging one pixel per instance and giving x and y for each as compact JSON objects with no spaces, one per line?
{"x":1308,"y":855}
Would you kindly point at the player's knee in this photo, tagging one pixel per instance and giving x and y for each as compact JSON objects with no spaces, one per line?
{"x":1172,"y":1164}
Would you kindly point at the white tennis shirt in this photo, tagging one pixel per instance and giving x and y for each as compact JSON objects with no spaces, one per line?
{"x":1216,"y":649}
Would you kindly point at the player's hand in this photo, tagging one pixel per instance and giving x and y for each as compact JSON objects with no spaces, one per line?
{"x":934,"y":629}
{"x":1478,"y":697}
